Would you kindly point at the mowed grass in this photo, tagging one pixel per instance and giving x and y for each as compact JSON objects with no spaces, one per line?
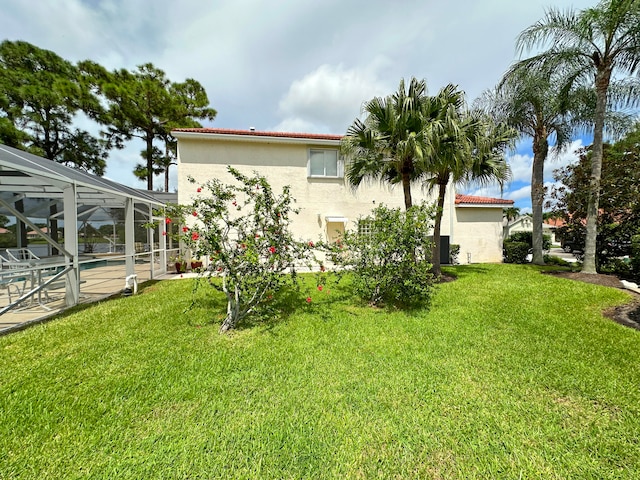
{"x":510,"y":374}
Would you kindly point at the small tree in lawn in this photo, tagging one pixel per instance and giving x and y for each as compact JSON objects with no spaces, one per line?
{"x":389,"y":256}
{"x":244,"y":230}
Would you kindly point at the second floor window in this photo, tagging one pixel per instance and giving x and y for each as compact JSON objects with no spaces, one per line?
{"x":325,"y":163}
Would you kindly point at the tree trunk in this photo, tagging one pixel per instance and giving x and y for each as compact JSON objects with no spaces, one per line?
{"x":233,"y":307}
{"x":227,"y":324}
{"x":435,"y":254}
{"x":149,"y":138}
{"x":406,"y":188}
{"x":602,"y":84}
{"x":540,"y":150}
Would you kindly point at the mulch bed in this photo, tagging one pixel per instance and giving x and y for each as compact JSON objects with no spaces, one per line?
{"x":627,"y":314}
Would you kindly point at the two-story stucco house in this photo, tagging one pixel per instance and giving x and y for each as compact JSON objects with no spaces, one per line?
{"x":314,"y":169}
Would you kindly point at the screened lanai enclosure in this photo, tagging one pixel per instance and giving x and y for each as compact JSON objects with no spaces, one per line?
{"x":71,"y":237}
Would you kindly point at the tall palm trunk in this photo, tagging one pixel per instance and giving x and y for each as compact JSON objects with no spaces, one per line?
{"x":540,"y":150}
{"x":602,"y":84}
{"x":406,"y":188}
{"x":435,"y":254}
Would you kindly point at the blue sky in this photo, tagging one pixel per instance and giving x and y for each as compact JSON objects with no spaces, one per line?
{"x":293,"y":65}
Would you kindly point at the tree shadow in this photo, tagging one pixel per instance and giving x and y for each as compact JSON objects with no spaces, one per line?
{"x":462,"y":271}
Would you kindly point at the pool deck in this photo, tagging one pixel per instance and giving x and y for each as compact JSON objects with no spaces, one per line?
{"x":97,"y":284}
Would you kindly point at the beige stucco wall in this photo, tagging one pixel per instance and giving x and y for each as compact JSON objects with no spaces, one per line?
{"x":479,"y":231}
{"x":286,"y":164}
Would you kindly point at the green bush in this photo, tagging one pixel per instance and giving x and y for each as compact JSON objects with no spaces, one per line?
{"x":616,"y":266}
{"x":7,"y":240}
{"x":515,"y":252}
{"x":391,"y":261}
{"x":527,"y":237}
{"x":454,"y":253}
{"x":555,"y":260}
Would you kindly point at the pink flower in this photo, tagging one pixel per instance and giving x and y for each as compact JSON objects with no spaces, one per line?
{"x":235,"y":204}
{"x":257,"y":236}
{"x":167,"y":220}
{"x":195,"y":214}
{"x":319,"y":288}
{"x":272,"y":249}
{"x":308,"y":299}
{"x":199,"y":190}
{"x":311,"y":244}
{"x":195,"y":236}
{"x":164,"y":234}
{"x":185,"y":229}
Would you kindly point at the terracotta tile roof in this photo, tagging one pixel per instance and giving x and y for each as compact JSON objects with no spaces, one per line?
{"x":473,"y":200}
{"x":555,"y":222}
{"x":255,"y":133}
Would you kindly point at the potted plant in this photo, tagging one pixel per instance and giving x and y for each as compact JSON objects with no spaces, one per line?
{"x":196,"y":263}
{"x":180,"y":263}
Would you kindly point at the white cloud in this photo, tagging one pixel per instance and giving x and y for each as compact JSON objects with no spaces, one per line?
{"x":329,"y":98}
{"x":521,"y":164}
{"x":492,"y":191}
{"x":289,"y":65}
{"x":520,"y":167}
{"x":521,"y":193}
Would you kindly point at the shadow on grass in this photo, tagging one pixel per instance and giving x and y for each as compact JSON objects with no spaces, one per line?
{"x":293,"y":300}
{"x":336,"y":296}
{"x":462,"y":271}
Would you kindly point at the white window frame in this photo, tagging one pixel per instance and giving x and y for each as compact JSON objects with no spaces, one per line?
{"x":339,"y":163}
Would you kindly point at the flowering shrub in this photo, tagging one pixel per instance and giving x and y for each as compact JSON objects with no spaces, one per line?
{"x":243,"y":229}
{"x":391,"y":260}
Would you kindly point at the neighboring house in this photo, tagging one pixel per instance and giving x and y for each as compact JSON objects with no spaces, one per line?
{"x":32,"y":234}
{"x":521,"y":224}
{"x":524,"y":223}
{"x":3,"y":231}
{"x":550,"y":226}
{"x":314,"y":169}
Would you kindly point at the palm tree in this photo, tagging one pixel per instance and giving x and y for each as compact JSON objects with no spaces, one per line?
{"x":531,"y":103}
{"x":511,"y":213}
{"x":588,"y":47}
{"x":388,"y":144}
{"x":462,"y":147}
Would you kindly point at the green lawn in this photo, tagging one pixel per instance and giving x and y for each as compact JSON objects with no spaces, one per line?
{"x":511,"y":374}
